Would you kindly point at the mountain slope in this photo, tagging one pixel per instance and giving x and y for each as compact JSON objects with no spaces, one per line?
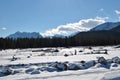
{"x":25,"y":35}
{"x":116,"y":29}
{"x":106,"y":26}
{"x":95,"y":38}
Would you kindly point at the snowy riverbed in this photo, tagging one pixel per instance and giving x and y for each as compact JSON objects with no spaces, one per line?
{"x":50,"y":63}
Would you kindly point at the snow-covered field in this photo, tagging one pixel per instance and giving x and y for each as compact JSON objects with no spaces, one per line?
{"x":75,"y":63}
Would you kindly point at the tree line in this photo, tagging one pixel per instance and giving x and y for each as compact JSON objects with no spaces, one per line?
{"x":95,"y":38}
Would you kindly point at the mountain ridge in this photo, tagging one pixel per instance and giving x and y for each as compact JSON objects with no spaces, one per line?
{"x":106,"y":26}
{"x":19,"y":34}
{"x":109,"y":26}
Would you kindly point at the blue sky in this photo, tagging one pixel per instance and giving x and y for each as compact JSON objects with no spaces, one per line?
{"x":50,"y":17}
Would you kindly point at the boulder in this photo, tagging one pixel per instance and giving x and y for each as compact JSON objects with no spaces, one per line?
{"x":102,"y":60}
{"x":98,"y":65}
{"x":66,"y":55}
{"x":61,"y":66}
{"x":90,"y":64}
{"x":72,"y":66}
{"x":49,"y":69}
{"x":29,"y":70}
{"x":7,"y":71}
{"x":116,"y":60}
{"x":35,"y":72}
{"x":114,"y":65}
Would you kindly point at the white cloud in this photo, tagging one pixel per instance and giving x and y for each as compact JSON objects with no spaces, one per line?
{"x":118,"y":14}
{"x":102,"y":18}
{"x":82,"y":25}
{"x":3,"y":28}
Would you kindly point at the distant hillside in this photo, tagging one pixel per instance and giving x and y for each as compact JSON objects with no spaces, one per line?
{"x":106,"y":26}
{"x":25,"y":35}
{"x":95,"y":36}
{"x":116,"y":29}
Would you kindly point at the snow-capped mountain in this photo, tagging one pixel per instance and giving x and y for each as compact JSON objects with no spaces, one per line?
{"x":106,"y":26}
{"x":25,"y":35}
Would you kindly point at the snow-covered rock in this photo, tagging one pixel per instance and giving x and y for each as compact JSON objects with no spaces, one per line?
{"x":99,"y":65}
{"x":116,"y":60}
{"x":72,"y":66}
{"x":90,"y":64}
{"x":102,"y":60}
{"x":16,"y":71}
{"x":61,"y":66}
{"x":114,"y":65}
{"x":48,"y":69}
{"x":35,"y":72}
{"x":30,"y":70}
{"x":109,"y":61}
{"x":7,"y":71}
